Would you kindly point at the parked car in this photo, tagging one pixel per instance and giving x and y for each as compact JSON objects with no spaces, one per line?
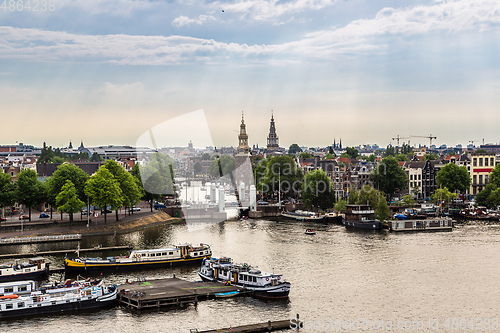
{"x":160,"y":205}
{"x":263,"y":203}
{"x":135,"y":209}
{"x":24,"y":217}
{"x":3,"y":219}
{"x":44,"y":215}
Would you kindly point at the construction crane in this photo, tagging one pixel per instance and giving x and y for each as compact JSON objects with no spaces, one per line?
{"x":430,"y":137}
{"x":472,"y":141}
{"x":397,"y":138}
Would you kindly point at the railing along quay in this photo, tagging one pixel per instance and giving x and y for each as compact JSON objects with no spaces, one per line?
{"x":39,"y":239}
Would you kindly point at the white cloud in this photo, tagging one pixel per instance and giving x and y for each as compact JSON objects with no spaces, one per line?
{"x":186,"y":21}
{"x":110,"y":7}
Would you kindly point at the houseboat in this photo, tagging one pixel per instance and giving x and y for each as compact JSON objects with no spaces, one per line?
{"x":302,"y":215}
{"x":334,"y":217}
{"x":35,"y":268}
{"x":56,"y":300}
{"x":254,"y":281}
{"x":16,"y":287}
{"x":141,"y":259}
{"x":361,"y":217}
{"x":431,"y":224}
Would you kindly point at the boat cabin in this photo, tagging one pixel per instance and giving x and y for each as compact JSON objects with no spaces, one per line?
{"x":16,"y":287}
{"x":359,"y":212}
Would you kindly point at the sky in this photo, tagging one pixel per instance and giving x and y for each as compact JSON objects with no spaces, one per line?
{"x":364,"y":71}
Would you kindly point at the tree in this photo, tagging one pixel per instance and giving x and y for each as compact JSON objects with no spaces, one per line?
{"x":157,"y":177}
{"x":372,"y":197}
{"x":402,"y":157}
{"x":454,"y":178}
{"x":305,"y":155}
{"x":443,"y":197}
{"x":317,"y":190}
{"x":481,"y":151}
{"x":408,"y":200}
{"x":46,"y":155}
{"x":340,"y":205}
{"x":282,"y":174}
{"x":382,"y":210}
{"x":372,"y":158}
{"x":131,"y":193}
{"x":294,"y":149}
{"x":29,"y":190}
{"x":67,"y":200}
{"x":495,"y":176}
{"x":95,"y":158}
{"x":64,"y":172}
{"x":430,"y":157}
{"x":483,"y":197}
{"x":222,"y":166}
{"x":389,"y":176}
{"x":389,"y":151}
{"x":7,"y":191}
{"x":329,"y":156}
{"x":352,"y":152}
{"x":104,"y":190}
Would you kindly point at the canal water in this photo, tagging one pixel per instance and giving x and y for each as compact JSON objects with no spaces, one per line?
{"x":341,"y":280}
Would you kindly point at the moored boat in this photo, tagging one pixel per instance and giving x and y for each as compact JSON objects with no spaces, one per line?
{"x":35,"y":268}
{"x":57,"y":300}
{"x":254,"y":281}
{"x":302,"y":215}
{"x":361,"y":217}
{"x":141,"y":259}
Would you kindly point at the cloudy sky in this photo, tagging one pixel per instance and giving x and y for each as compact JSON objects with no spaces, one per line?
{"x":106,"y":71}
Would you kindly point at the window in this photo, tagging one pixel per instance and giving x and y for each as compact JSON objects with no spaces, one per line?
{"x":170,"y":253}
{"x":195,"y":254}
{"x":480,"y":179}
{"x":474,"y":162}
{"x":9,"y":306}
{"x":481,"y":161}
{"x":419,"y":177}
{"x":492,"y":162}
{"x":486,"y":162}
{"x":164,"y":254}
{"x":474,"y":180}
{"x":486,"y":179}
{"x":8,"y":290}
{"x":411,"y":177}
{"x":20,"y":305}
{"x":22,"y":288}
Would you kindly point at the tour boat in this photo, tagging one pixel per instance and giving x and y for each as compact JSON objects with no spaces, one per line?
{"x":301,"y":215}
{"x":57,"y":299}
{"x":254,"y":281}
{"x":35,"y":268}
{"x":141,"y":259}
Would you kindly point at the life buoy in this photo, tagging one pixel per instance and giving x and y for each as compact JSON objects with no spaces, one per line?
{"x":279,"y":277}
{"x":139,"y":256}
{"x":40,"y":299}
{"x":267,"y":279}
{"x":82,"y":292}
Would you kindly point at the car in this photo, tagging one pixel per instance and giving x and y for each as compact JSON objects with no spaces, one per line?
{"x":3,"y":219}
{"x":107,"y":211}
{"x":135,"y":209}
{"x":160,"y":205}
{"x":24,"y":217}
{"x":262,"y":203}
{"x":44,"y":215}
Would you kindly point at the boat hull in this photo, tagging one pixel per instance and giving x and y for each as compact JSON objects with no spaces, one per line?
{"x":364,"y":225}
{"x":75,"y":266}
{"x":74,"y":306}
{"x":37,"y":275}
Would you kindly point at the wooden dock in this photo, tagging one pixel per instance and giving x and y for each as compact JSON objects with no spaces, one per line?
{"x":268,"y":326}
{"x":39,"y":239}
{"x":168,"y":292}
{"x":55,"y":252}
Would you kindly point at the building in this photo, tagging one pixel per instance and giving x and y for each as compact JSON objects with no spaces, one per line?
{"x":481,"y":167}
{"x":490,"y":148}
{"x":272,"y":138}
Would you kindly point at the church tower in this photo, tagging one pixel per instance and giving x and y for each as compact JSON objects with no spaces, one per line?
{"x":243,"y":148}
{"x":272,"y":138}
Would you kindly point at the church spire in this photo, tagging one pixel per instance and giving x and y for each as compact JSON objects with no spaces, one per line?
{"x":272,"y":138}
{"x":243,"y":147}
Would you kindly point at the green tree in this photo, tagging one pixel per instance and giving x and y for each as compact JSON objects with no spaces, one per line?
{"x":317,"y":190}
{"x":481,"y":151}
{"x":7,"y":191}
{"x":46,"y":155}
{"x":372,"y":158}
{"x":402,"y":157}
{"x":29,"y":190}
{"x":67,"y":200}
{"x":329,"y":156}
{"x":389,"y":176}
{"x":222,"y":166}
{"x":305,"y":155}
{"x":282,"y":174}
{"x":352,"y":152}
{"x":131,"y":193}
{"x":157,"y":177}
{"x":408,"y":200}
{"x":430,"y":157}
{"x":294,"y":149}
{"x":104,"y":190}
{"x":340,"y":205}
{"x":95,"y":158}
{"x":382,"y":210}
{"x":495,"y":176}
{"x":454,"y":178}
{"x":389,"y":151}
{"x":484,"y":198}
{"x":443,"y":194}
{"x":372,"y":197}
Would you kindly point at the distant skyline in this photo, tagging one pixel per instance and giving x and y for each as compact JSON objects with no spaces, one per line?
{"x":106,"y":71}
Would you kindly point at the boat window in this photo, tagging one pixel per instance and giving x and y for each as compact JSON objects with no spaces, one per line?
{"x":195,"y":254}
{"x":53,"y":302}
{"x":9,"y":306}
{"x":9,"y":290}
{"x":20,"y":305}
{"x":22,"y":288}
{"x":170,"y":253}
{"x":254,"y":279}
{"x":164,"y":253}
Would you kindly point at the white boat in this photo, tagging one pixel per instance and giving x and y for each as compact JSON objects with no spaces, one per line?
{"x":302,"y":215}
{"x":56,"y":299}
{"x":254,"y":281}
{"x":35,"y":268}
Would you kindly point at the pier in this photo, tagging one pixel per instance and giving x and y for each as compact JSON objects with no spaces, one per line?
{"x":260,"y":327}
{"x":39,"y":239}
{"x":168,"y":292}
{"x":55,"y":252}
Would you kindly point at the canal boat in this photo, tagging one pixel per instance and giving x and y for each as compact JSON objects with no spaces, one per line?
{"x":431,"y":224}
{"x":302,"y":215}
{"x":35,"y":268}
{"x":361,"y":217}
{"x":227,"y":295}
{"x":334,"y":217}
{"x":57,"y":300}
{"x":254,"y":281}
{"x":141,"y":259}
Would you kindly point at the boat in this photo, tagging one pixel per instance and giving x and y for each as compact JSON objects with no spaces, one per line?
{"x":35,"y":268}
{"x":334,"y":217}
{"x":227,"y":295}
{"x":141,"y":259}
{"x":431,"y":224}
{"x":254,"y":281}
{"x":57,"y":299}
{"x":310,"y":232}
{"x":361,"y":217}
{"x":302,"y":215}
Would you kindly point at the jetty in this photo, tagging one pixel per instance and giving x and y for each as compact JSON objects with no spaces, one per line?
{"x":39,"y":239}
{"x":260,"y":327}
{"x":168,"y":292}
{"x":55,"y":252}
